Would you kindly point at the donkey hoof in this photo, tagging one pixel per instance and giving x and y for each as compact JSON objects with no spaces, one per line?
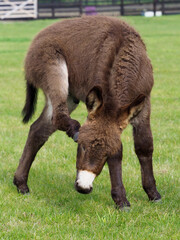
{"x":75,"y":137}
{"x":125,"y":209}
{"x":158,"y":200}
{"x":21,"y":187}
{"x":125,"y":206}
{"x":155,"y":198}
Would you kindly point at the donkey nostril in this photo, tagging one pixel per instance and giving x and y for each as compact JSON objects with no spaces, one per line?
{"x":82,"y":190}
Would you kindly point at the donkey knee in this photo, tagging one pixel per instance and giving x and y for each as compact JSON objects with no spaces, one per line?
{"x":65,"y":123}
{"x":143,"y":145}
{"x":145,"y":149}
{"x":39,"y":134}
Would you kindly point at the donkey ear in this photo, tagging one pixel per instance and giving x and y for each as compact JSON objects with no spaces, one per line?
{"x":137,"y":101}
{"x":94,"y":99}
{"x":130,"y":110}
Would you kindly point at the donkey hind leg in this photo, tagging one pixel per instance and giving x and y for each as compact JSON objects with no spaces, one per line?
{"x":62,"y":104}
{"x":143,"y":142}
{"x":39,"y":133}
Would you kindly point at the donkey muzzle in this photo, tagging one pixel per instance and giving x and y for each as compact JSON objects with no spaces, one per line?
{"x":84,"y":181}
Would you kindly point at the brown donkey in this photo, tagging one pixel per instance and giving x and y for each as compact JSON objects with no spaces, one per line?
{"x":103,"y":62}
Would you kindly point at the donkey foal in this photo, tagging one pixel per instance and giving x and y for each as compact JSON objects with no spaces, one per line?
{"x":103,"y":62}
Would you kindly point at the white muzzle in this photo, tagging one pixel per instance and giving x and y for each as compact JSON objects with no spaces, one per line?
{"x":84,"y":181}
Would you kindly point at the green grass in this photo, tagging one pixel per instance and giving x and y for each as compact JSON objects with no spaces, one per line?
{"x":54,"y":210}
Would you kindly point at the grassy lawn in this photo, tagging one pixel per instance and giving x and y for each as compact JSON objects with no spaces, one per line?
{"x":54,"y":210}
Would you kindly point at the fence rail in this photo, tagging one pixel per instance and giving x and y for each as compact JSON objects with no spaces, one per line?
{"x":63,"y":8}
{"x":11,"y":9}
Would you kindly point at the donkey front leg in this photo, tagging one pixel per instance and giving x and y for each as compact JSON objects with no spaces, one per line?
{"x":39,"y":133}
{"x":118,"y":192}
{"x":62,"y":121}
{"x":143,"y":142}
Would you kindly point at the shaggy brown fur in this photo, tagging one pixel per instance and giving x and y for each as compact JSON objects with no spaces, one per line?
{"x":108,"y":68}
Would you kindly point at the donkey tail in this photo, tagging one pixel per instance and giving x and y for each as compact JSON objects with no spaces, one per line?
{"x":30,"y":105}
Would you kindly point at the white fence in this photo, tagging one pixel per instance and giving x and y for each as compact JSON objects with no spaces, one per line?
{"x":10,"y":9}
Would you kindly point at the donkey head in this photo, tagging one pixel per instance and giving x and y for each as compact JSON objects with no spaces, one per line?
{"x":99,"y":139}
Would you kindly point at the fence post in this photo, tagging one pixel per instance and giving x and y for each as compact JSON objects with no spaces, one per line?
{"x":154,"y":7}
{"x":162,"y":7}
{"x":80,"y":7}
{"x":36,"y":9}
{"x":122,"y":7}
{"x":53,"y":12}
